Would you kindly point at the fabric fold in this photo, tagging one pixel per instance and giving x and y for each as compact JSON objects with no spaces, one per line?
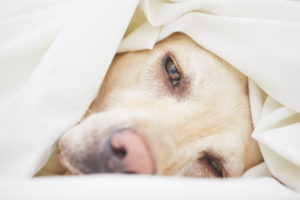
{"x":61,"y":87}
{"x":53,"y":66}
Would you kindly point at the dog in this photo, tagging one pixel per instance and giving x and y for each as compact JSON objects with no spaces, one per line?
{"x":177,"y":110}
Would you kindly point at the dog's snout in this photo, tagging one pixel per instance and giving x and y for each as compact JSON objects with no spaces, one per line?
{"x":126,"y":151}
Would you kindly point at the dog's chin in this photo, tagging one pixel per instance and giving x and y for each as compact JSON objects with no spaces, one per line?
{"x":67,"y":172}
{"x":70,"y":169}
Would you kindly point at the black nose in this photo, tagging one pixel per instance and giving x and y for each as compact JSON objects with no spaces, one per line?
{"x":125,"y":151}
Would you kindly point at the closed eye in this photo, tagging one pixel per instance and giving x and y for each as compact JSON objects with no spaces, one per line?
{"x":214,"y":164}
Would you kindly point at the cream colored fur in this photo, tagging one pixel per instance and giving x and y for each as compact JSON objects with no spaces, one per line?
{"x":210,"y":113}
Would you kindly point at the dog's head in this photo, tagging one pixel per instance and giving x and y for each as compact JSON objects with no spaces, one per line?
{"x":175,"y":110}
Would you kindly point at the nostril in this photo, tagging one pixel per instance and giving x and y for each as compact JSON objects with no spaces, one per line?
{"x":118,"y":152}
{"x":126,"y":152}
{"x":118,"y":146}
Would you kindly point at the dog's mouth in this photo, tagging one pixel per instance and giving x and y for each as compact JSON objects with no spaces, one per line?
{"x":123,"y":151}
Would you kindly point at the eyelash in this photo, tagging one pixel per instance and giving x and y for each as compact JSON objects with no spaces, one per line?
{"x":214,"y":164}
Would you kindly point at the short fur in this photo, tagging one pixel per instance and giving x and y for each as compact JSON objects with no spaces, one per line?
{"x":207,"y":114}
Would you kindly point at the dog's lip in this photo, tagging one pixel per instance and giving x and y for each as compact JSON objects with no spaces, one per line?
{"x":65,"y":163}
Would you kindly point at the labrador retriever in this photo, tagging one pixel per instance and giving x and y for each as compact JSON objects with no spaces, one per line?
{"x":175,"y":110}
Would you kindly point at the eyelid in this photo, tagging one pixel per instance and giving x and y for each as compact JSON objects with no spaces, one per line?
{"x":170,"y":55}
{"x":213,"y":157}
{"x":183,"y":89}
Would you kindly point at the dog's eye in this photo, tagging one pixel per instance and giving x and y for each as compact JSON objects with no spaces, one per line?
{"x":173,"y":72}
{"x":214,"y":165}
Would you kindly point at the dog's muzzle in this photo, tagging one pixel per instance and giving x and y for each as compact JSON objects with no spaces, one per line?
{"x":124,"y":151}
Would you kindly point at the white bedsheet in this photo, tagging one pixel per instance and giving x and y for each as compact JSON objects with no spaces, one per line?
{"x":54,"y":55}
{"x":144,"y":187}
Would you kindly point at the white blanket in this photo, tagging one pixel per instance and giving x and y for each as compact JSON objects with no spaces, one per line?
{"x":54,"y":55}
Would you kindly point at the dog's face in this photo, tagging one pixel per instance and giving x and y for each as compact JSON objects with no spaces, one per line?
{"x":175,"y":110}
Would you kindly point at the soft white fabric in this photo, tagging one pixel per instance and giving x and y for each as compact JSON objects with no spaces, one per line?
{"x":54,"y":55}
{"x":261,"y":39}
{"x":144,"y":187}
{"x":61,"y":79}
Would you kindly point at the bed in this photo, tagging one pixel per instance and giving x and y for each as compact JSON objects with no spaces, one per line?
{"x":54,"y":55}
